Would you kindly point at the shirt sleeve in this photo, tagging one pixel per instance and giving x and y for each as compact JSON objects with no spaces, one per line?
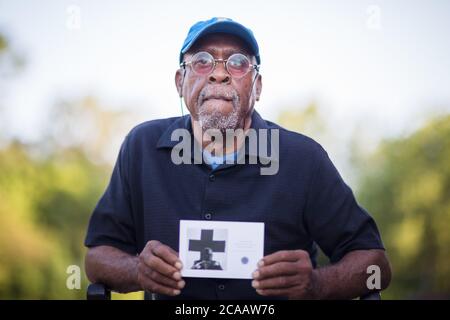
{"x":333,"y":218}
{"x":112,"y":223}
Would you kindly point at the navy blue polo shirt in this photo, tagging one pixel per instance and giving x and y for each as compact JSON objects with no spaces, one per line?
{"x":305,"y":204}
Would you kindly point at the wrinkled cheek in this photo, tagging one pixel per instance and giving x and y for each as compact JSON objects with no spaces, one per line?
{"x":193,"y":97}
{"x":244,"y":94}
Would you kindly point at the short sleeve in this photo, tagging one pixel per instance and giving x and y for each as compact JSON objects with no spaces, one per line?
{"x":112,"y":222}
{"x":332,"y":216}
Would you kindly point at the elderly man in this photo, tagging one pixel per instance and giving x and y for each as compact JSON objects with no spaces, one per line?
{"x":133,"y":233}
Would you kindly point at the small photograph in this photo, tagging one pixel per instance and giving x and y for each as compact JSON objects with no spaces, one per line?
{"x":220,"y":249}
{"x":206,"y":249}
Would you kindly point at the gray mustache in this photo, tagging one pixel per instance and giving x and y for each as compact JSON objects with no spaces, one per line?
{"x":217,"y":93}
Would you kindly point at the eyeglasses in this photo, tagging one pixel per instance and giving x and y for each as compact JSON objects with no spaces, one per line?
{"x":237,"y":65}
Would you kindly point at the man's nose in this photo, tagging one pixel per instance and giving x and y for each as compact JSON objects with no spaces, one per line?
{"x":219,"y":74}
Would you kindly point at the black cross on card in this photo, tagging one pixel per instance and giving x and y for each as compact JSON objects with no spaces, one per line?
{"x":206,"y":241}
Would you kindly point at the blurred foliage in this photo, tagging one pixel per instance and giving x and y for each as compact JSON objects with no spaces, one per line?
{"x":85,"y":124}
{"x":47,"y":193}
{"x":308,"y":121}
{"x":44,"y":209}
{"x":406,"y":186}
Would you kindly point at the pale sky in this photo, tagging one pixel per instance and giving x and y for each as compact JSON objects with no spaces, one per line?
{"x":377,"y":64}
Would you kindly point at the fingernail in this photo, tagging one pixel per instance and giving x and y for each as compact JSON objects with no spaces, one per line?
{"x":178,"y":265}
{"x":181,"y":284}
{"x":177,"y":276}
{"x":176,"y":292}
{"x":255,"y":274}
{"x":259,"y":291}
{"x":255,"y":284}
{"x":260,"y":263}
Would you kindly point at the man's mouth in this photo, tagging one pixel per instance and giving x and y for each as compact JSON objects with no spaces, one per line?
{"x":217,"y":97}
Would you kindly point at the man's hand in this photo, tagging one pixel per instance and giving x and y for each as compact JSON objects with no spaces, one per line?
{"x":287,"y":274}
{"x":159,"y":269}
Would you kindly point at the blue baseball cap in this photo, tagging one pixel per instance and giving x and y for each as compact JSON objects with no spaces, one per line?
{"x":220,"y":25}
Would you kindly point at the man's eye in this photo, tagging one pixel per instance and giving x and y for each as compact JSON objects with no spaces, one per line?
{"x":236,"y":62}
{"x":203,"y":61}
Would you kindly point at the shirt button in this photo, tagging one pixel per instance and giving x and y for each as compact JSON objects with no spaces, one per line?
{"x":212,"y":177}
{"x":208,"y":216}
{"x":221,"y":287}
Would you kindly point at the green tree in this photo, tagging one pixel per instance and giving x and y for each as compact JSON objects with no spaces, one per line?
{"x":44,"y":209}
{"x":406,"y":186}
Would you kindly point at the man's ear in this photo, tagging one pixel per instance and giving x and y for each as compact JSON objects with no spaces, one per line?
{"x":179,"y":75}
{"x":258,"y":87}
